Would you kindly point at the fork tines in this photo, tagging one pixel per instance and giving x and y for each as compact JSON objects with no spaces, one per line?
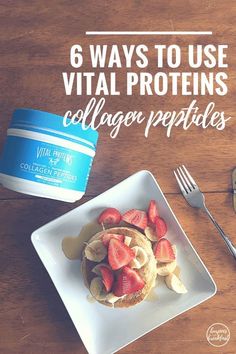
{"x":185,"y":181}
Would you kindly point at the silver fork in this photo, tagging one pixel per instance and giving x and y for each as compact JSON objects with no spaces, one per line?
{"x":196,"y":199}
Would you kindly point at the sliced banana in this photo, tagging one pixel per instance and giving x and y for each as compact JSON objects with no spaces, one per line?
{"x":127,"y":240}
{"x":164,"y":269}
{"x":97,"y":267}
{"x":135,"y":264}
{"x":97,"y":289}
{"x":174,"y":283}
{"x":95,"y":251}
{"x":150,"y":233}
{"x":140,"y":259}
{"x":111,"y":298}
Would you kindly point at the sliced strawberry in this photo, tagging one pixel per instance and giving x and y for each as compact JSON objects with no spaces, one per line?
{"x":109,"y":216}
{"x":163,"y":251}
{"x":128,"y":282}
{"x":106,"y":238}
{"x":107,"y":277}
{"x":152,"y":211}
{"x":161,"y":227}
{"x":119,"y":254}
{"x":136,"y":217}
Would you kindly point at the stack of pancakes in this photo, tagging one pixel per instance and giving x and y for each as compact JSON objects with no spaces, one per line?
{"x":147,"y":272}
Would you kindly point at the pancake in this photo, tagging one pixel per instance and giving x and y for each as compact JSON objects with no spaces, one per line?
{"x":148,"y":271}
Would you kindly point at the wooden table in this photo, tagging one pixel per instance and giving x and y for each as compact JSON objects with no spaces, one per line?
{"x":35,"y":39}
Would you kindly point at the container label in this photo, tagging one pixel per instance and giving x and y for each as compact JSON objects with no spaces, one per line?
{"x":45,"y":163}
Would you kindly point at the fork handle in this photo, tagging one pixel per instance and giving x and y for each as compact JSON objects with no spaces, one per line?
{"x":228,"y":242}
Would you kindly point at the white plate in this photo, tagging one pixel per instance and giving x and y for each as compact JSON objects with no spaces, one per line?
{"x":102,"y":329}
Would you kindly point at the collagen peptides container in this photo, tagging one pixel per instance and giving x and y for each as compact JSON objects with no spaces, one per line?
{"x":44,"y":158}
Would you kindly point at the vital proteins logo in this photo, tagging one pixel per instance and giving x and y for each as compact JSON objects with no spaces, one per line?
{"x":54,"y":156}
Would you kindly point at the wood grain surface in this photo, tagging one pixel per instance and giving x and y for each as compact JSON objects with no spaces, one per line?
{"x":35,"y":39}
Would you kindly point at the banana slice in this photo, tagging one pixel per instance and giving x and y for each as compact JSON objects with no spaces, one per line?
{"x":140,"y":259}
{"x":164,"y":269}
{"x":97,"y":289}
{"x":97,"y":267}
{"x":95,"y":251}
{"x":150,"y":233}
{"x":127,"y":240}
{"x":174,"y":283}
{"x":135,"y":264}
{"x":111,"y":298}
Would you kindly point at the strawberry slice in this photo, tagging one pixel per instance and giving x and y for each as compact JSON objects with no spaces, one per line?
{"x":128,"y":282}
{"x":163,"y":251}
{"x":152,"y":211}
{"x":106,"y":238}
{"x":119,"y":254}
{"x":109,"y":216}
{"x":161,"y":227}
{"x":107,"y":277}
{"x":136,"y":217}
